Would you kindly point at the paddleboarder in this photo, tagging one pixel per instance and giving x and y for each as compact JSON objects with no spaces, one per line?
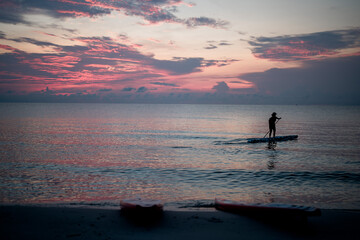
{"x":272,"y":124}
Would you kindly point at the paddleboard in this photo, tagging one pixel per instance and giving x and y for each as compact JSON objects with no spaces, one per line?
{"x":143,"y":205}
{"x":265,"y":208}
{"x":277,"y":139}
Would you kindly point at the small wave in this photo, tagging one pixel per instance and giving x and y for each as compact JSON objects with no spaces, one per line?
{"x":192,"y":175}
{"x":180,"y":147}
{"x":231,"y":142}
{"x":230,"y":177}
{"x":350,"y":162}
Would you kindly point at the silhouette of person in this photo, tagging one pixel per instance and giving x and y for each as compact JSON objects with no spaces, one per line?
{"x":272,"y":124}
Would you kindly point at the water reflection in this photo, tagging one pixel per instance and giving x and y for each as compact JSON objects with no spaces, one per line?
{"x":270,"y":164}
{"x":271,"y":146}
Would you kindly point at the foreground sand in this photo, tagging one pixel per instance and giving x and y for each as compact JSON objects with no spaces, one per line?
{"x":22,"y":222}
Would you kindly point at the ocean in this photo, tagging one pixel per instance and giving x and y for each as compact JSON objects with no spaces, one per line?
{"x":97,"y":154}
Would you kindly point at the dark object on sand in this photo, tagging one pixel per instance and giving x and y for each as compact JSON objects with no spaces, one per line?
{"x":142,"y":212}
{"x":140,"y":205}
{"x":265,"y":208}
{"x":276,"y":139}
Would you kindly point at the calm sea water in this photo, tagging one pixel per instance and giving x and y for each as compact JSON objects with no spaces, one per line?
{"x":97,"y":154}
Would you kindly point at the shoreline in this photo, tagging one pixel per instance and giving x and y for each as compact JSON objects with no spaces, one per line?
{"x":49,"y":222}
{"x":206,"y":207}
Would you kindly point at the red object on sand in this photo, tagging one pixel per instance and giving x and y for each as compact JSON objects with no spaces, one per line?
{"x":141,"y":204}
{"x":265,"y":208}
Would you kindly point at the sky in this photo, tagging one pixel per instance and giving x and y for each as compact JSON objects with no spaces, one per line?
{"x":179,"y":51}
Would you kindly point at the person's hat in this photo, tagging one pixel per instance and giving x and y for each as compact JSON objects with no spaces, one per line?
{"x":273,"y":114}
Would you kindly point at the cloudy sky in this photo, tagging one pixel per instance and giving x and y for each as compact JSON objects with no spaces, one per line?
{"x":179,"y":51}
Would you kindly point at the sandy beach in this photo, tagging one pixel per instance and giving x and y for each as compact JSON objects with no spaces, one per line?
{"x":29,"y":222}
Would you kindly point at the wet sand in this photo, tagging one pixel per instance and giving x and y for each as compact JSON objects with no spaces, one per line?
{"x":29,"y":222}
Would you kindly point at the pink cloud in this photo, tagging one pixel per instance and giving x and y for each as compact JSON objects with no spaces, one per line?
{"x":98,"y":63}
{"x":300,"y":50}
{"x":152,"y":11}
{"x":305,"y":46}
{"x":46,"y":34}
{"x":7,"y":47}
{"x":74,"y":13}
{"x":154,"y":40}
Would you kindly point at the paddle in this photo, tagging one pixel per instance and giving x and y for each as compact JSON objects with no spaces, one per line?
{"x":269,"y":130}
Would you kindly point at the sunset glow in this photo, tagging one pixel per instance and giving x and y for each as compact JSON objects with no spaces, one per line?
{"x":177,"y":51}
